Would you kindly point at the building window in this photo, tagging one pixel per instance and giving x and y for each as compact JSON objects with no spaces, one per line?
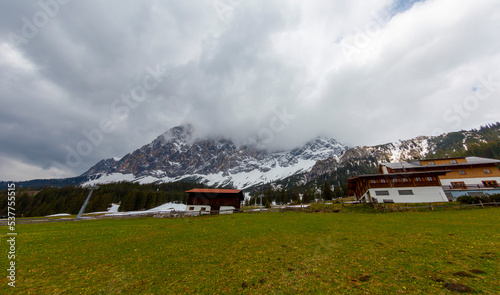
{"x":382,"y":181}
{"x":490,"y":183}
{"x":395,"y":180}
{"x":191,"y":208}
{"x":458,"y":185}
{"x":203,"y":209}
{"x":487,"y":171}
{"x":405,"y":192}
{"x":430,"y":178}
{"x":382,"y":193}
{"x":418,"y":179}
{"x":373,"y":181}
{"x":453,"y":161}
{"x":431,"y":163}
{"x":405,"y":179}
{"x":462,"y":172}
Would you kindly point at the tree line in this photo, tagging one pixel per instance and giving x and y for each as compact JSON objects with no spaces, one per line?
{"x":69,"y":199}
{"x":484,"y":142}
{"x":296,"y":195}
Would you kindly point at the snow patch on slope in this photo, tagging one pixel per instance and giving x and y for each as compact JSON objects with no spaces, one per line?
{"x":239,"y":180}
{"x":162,"y":208}
{"x":108,"y":178}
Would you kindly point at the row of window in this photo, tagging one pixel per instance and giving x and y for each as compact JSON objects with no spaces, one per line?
{"x":201,"y":209}
{"x":404,"y":179}
{"x":488,"y":183}
{"x":433,"y":163}
{"x":463,"y":172}
{"x":402,"y":192}
{"x":409,"y":192}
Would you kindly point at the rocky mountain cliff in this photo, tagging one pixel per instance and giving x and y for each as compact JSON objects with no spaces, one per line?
{"x":178,"y":155}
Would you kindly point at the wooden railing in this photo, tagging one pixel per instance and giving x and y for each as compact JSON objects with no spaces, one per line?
{"x":469,"y":186}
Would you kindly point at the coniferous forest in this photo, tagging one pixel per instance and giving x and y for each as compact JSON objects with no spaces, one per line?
{"x":69,"y":199}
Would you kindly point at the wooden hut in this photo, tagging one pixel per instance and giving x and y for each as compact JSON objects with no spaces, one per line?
{"x":215,"y":198}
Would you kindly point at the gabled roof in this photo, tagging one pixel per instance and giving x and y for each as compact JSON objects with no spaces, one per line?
{"x":399,"y":174}
{"x":213,"y":191}
{"x":417,"y":164}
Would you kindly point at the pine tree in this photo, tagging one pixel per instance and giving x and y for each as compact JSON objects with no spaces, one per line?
{"x":327,"y":193}
{"x":151,"y":200}
{"x":337,"y":192}
{"x":140,"y":201}
{"x":298,"y":200}
{"x":128,"y":202}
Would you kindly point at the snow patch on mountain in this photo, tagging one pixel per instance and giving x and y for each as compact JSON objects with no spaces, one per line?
{"x":108,"y":178}
{"x":176,"y":156}
{"x":246,"y":179}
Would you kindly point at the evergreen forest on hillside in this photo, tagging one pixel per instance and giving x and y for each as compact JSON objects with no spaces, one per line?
{"x":131,"y":196}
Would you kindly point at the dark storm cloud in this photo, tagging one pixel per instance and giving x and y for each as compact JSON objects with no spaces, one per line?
{"x":116,"y":74}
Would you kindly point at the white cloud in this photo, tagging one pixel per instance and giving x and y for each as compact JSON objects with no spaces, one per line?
{"x":16,"y":170}
{"x":406,"y":71}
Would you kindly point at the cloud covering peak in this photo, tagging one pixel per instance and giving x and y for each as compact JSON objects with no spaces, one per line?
{"x":85,"y":80}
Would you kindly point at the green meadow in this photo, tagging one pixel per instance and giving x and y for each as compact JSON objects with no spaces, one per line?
{"x":263,"y":253}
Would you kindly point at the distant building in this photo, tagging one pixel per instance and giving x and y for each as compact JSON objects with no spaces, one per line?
{"x":465,"y":176}
{"x":217,"y":199}
{"x":407,"y":187}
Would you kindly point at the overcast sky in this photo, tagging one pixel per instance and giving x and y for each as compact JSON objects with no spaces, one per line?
{"x":81,"y":81}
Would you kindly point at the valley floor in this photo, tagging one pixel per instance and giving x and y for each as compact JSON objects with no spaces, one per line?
{"x":282,"y":253}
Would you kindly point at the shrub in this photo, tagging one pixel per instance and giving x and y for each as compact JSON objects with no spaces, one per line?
{"x":478,"y":199}
{"x":319,"y":207}
{"x":495,"y":198}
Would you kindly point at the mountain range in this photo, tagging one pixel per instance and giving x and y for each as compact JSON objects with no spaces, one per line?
{"x":178,"y":155}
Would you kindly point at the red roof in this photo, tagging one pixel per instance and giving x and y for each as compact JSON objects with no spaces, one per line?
{"x":214,"y":191}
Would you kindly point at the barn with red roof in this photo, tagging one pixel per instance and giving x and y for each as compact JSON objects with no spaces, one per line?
{"x":215,"y":198}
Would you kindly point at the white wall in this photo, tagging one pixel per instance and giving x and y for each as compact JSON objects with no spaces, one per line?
{"x":226,"y":210}
{"x":475,"y":180}
{"x":197,"y":209}
{"x":420,"y":195}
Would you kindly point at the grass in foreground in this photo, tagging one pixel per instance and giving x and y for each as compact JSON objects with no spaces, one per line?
{"x":355,"y":253}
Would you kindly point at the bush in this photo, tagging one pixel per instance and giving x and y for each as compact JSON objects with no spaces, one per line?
{"x":328,"y":208}
{"x":478,"y":199}
{"x":495,"y":198}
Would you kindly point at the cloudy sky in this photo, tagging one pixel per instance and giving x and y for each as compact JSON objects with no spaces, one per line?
{"x":85,"y":80}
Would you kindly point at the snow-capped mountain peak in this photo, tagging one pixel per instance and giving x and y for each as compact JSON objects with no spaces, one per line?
{"x":178,"y":155}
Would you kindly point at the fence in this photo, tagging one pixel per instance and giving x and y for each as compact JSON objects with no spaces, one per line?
{"x":157,"y":214}
{"x":386,"y":207}
{"x":470,"y":187}
{"x":179,"y":214}
{"x":280,"y":209}
{"x":35,"y":220}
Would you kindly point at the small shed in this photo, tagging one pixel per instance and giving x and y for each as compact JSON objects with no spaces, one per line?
{"x":215,"y":198}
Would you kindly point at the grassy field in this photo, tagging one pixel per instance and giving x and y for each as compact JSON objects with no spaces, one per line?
{"x":288,"y":253}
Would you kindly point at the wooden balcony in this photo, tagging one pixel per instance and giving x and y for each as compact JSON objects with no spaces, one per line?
{"x":470,"y":187}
